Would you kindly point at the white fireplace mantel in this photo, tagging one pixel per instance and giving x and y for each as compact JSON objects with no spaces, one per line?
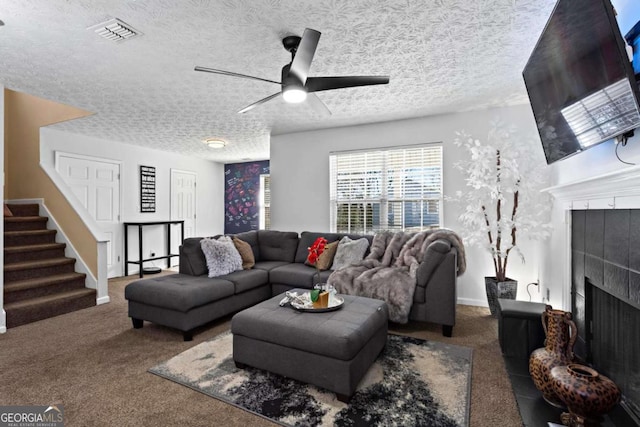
{"x":613,"y":190}
{"x":619,"y":189}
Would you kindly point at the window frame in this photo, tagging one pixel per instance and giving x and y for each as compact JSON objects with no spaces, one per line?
{"x":385,"y":198}
{"x":264,"y":205}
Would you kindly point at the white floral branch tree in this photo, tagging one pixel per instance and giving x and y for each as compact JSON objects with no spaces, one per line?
{"x":503,"y":201}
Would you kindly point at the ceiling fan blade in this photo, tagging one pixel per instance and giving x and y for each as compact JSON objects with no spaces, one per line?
{"x":255,"y":104}
{"x":318,"y":105}
{"x":316,"y":84}
{"x":304,"y":54}
{"x":232,"y":74}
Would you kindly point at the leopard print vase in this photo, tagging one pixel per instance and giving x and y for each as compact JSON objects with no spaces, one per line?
{"x":561,"y":332}
{"x":586,"y":393}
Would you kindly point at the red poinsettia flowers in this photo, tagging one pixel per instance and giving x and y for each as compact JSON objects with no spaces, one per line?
{"x":316,"y":250}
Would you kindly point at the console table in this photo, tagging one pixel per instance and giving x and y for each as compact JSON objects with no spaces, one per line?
{"x":140,"y":225}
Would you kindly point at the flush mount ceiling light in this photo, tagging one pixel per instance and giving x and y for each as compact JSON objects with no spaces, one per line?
{"x":215,"y":143}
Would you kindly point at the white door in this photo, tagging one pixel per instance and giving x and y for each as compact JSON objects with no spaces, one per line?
{"x":96,"y":184}
{"x":183,"y":205}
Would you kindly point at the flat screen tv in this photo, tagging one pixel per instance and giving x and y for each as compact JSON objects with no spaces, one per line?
{"x":579,"y":79}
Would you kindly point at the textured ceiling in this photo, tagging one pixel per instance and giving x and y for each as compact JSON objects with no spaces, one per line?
{"x":441,"y":55}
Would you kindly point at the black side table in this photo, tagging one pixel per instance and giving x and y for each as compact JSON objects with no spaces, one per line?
{"x":140,"y":225}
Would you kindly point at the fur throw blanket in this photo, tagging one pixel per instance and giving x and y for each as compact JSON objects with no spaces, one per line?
{"x":389,"y":271}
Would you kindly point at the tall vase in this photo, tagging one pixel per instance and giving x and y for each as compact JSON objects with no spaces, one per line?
{"x":586,"y":393}
{"x":561,"y":332}
{"x":495,"y":290}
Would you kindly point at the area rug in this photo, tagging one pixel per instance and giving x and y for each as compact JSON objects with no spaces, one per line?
{"x":412,"y":383}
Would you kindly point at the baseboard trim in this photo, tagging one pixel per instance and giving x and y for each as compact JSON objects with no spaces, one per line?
{"x":102,"y":300}
{"x":474,"y":302}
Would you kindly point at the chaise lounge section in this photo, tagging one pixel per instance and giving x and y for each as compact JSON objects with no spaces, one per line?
{"x":190,"y":299}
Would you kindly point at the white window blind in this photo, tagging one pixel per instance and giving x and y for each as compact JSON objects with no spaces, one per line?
{"x":265,"y":202}
{"x":386,"y":189}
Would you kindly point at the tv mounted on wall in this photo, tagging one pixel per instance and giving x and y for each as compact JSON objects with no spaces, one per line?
{"x":580,"y":81}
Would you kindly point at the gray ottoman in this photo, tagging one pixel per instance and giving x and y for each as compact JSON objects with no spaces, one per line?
{"x":520,"y":327}
{"x":331,"y":350}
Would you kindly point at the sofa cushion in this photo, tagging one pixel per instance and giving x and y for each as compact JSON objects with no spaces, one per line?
{"x":349,"y":251}
{"x":325,"y":260}
{"x":293,"y":275}
{"x":269,"y":265}
{"x":192,"y":260}
{"x":277,"y":245}
{"x":244,"y":249}
{"x":245,"y":280}
{"x":222,"y":256}
{"x":306,"y":240}
{"x":180,"y":292}
{"x":251,"y":237}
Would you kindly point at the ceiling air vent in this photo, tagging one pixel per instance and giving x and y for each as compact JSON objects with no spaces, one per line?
{"x":116,"y":30}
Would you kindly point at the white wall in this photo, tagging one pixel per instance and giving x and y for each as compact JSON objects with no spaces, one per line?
{"x":210,"y":185}
{"x":300,"y":180}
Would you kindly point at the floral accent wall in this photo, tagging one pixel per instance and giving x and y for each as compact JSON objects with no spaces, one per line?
{"x":242,"y":193}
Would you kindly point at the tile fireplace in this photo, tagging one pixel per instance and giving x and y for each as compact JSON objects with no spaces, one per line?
{"x":605,"y":295}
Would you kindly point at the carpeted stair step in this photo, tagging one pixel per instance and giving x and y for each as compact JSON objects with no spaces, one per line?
{"x":35,"y":288}
{"x":32,"y":310}
{"x":21,"y":223}
{"x":33,"y":252}
{"x":24,"y":210}
{"x":34,"y":269}
{"x":29,"y":237}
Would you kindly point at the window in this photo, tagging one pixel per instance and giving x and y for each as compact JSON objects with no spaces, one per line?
{"x":386,"y":189}
{"x":265,"y":202}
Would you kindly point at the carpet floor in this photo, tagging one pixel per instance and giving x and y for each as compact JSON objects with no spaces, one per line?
{"x":95,"y":364}
{"x":412,"y":382}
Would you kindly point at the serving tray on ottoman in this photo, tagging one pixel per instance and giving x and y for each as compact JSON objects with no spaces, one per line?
{"x":332,"y":350}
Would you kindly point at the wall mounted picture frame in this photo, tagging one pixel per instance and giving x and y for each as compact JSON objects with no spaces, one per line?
{"x":147,"y":189}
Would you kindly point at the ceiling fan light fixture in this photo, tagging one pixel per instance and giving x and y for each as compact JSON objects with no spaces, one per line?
{"x":294,"y":94}
{"x":216,"y":143}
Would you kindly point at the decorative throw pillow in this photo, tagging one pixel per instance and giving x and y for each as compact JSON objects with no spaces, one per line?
{"x":221,"y":255}
{"x":349,"y":251}
{"x":7,"y":211}
{"x":244,"y":249}
{"x":325,"y":260}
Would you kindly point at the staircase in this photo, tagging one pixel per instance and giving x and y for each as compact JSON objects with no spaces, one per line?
{"x":39,"y":281}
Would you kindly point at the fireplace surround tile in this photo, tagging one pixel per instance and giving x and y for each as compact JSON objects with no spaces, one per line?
{"x":594,"y":269}
{"x":634,"y":287}
{"x":634,"y":239}
{"x":577,"y":271}
{"x":616,"y":236}
{"x":616,"y":279}
{"x":578,"y":230}
{"x":594,"y":233}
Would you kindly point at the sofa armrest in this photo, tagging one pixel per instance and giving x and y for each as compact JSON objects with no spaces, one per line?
{"x":192,"y":259}
{"x":440,"y":295}
{"x":435,"y":254}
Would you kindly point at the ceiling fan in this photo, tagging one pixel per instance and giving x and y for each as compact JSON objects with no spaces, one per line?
{"x":296,"y":84}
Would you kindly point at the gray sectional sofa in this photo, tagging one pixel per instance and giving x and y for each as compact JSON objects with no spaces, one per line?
{"x":190,"y":299}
